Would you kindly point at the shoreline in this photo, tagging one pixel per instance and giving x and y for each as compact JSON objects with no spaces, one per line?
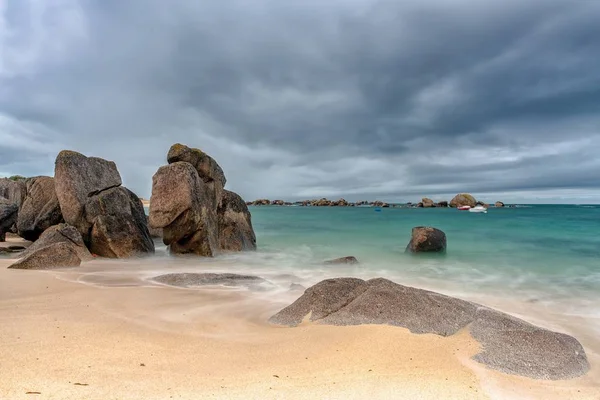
{"x":216,"y":342}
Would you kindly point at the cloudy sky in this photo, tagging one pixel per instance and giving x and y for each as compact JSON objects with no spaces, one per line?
{"x":392,"y":100}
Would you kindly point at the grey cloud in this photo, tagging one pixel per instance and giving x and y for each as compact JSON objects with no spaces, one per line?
{"x":351,"y":98}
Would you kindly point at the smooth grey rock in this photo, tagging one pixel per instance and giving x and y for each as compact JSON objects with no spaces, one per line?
{"x":205,"y":279}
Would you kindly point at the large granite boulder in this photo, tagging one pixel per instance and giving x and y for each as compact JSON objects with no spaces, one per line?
{"x":235,"y":224}
{"x":8,"y":216}
{"x":196,"y":214}
{"x":508,"y":344}
{"x":109,"y":217}
{"x":208,"y":169}
{"x":61,"y":233}
{"x":463,"y":199}
{"x":57,"y":255}
{"x":40,"y":209}
{"x":426,"y":239}
{"x":183,"y":206}
{"x":13,"y":190}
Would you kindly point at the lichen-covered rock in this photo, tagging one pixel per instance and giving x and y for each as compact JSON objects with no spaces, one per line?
{"x":508,"y":344}
{"x":426,"y":239}
{"x":77,"y":178}
{"x":40,"y":209}
{"x":463,"y":199}
{"x":58,"y":234}
{"x":235,"y":224}
{"x":183,"y":206}
{"x":57,"y":255}
{"x":208,"y":169}
{"x":8,"y":216}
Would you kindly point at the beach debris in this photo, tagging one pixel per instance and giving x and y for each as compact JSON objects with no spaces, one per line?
{"x":196,"y":214}
{"x":40,"y":209}
{"x":426,"y":239}
{"x":142,"y":365}
{"x":33,"y":392}
{"x":508,"y":344}
{"x":109,"y":217}
{"x":343,"y":260}
{"x":463,"y":199}
{"x":80,"y":384}
{"x":56,"y":255}
{"x":210,"y":279}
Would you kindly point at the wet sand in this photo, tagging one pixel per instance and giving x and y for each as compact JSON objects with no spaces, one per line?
{"x":94,"y":333}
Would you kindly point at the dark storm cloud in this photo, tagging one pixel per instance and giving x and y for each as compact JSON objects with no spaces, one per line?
{"x":356,"y":98}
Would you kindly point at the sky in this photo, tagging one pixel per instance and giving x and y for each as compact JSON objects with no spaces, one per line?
{"x":361,"y":99}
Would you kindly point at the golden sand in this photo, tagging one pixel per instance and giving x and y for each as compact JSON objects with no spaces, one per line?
{"x":69,"y":340}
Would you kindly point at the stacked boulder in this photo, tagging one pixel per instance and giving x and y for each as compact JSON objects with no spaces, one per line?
{"x":193,"y":209}
{"x":109,"y":217}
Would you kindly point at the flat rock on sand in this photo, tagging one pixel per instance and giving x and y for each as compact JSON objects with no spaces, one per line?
{"x":509,"y":344}
{"x":57,"y":255}
{"x":58,"y":234}
{"x":208,"y":279}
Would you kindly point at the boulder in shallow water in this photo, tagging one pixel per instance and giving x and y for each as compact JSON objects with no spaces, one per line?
{"x":508,"y":344}
{"x":463,"y":199}
{"x":184,"y":207}
{"x":235,"y":224}
{"x":210,"y":279}
{"x":61,"y":233}
{"x":427,"y":203}
{"x":499,"y":204}
{"x":57,"y":255}
{"x":426,"y":239}
{"x":343,"y":260}
{"x":40,"y":209}
{"x":208,"y":169}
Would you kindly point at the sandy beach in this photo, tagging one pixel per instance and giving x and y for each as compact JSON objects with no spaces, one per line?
{"x":73,"y":334}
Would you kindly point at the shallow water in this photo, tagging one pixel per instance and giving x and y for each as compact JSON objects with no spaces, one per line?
{"x":539,"y":262}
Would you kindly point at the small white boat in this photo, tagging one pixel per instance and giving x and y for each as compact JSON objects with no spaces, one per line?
{"x":464,"y":208}
{"x":478,"y":209}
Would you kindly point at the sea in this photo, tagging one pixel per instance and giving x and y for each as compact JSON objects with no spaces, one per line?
{"x":539,"y":262}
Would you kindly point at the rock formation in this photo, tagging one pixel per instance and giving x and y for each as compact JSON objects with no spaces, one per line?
{"x":197,"y":215}
{"x":8,"y":216}
{"x":427,"y":203}
{"x":109,"y":217}
{"x":207,"y":279}
{"x":40,"y":208}
{"x":463,"y":199}
{"x":343,"y":260}
{"x":56,"y":255}
{"x":426,"y":239}
{"x":443,"y":204}
{"x":61,"y":233}
{"x":508,"y":344}
{"x":499,"y":204}
{"x":235,"y":224}
{"x":13,"y":190}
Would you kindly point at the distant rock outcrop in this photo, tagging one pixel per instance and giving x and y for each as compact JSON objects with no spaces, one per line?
{"x":196,"y":214}
{"x":508,"y":344}
{"x":427,"y":203}
{"x":426,"y":239}
{"x":442,"y":204}
{"x":109,"y":217}
{"x":40,"y":209}
{"x":499,"y":204}
{"x":463,"y":199}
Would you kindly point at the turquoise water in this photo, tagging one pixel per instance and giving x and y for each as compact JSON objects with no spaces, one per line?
{"x":537,"y":253}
